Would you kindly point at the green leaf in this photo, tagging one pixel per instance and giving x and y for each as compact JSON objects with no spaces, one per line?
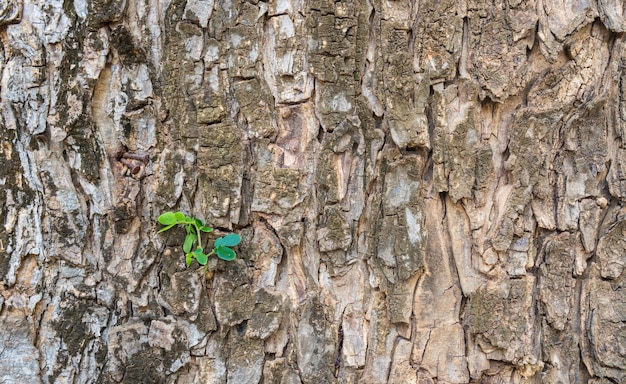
{"x":201,"y":258}
{"x":189,"y":239}
{"x":180,"y":216}
{"x":188,"y":259}
{"x":167,"y":218}
{"x":193,"y":228}
{"x":166,"y":228}
{"x":231,"y":240}
{"x":225,"y":253}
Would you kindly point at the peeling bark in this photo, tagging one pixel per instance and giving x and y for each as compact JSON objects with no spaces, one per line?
{"x":427,"y":192}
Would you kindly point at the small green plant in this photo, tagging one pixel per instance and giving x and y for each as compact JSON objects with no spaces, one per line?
{"x":194,"y":228}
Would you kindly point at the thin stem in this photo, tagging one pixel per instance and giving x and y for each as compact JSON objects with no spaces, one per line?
{"x":198,"y":232}
{"x":206,"y":267}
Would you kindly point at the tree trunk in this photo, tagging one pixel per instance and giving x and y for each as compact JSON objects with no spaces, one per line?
{"x":427,"y":192}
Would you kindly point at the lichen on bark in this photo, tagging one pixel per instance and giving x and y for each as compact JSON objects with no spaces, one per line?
{"x":428,"y":192}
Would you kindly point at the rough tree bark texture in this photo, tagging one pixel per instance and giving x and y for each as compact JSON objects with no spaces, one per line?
{"x":427,"y":191}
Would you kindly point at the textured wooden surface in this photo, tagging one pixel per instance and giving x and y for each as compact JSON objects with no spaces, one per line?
{"x":427,"y":191}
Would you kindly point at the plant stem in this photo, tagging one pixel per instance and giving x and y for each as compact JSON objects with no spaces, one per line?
{"x":198,"y":232}
{"x":206,"y":267}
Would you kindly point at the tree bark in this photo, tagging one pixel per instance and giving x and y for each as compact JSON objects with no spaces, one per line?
{"x":427,"y":192}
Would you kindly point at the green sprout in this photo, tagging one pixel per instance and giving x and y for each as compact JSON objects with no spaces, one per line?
{"x":195,"y":228}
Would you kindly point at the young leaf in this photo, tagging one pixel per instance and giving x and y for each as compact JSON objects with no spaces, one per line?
{"x":225,"y":253}
{"x":193,"y":228}
{"x":201,"y":258}
{"x":166,"y":228}
{"x":231,"y":240}
{"x":167,"y":218}
{"x":189,"y":239}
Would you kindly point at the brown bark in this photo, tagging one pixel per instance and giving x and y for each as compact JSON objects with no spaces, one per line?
{"x":428,"y":192}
